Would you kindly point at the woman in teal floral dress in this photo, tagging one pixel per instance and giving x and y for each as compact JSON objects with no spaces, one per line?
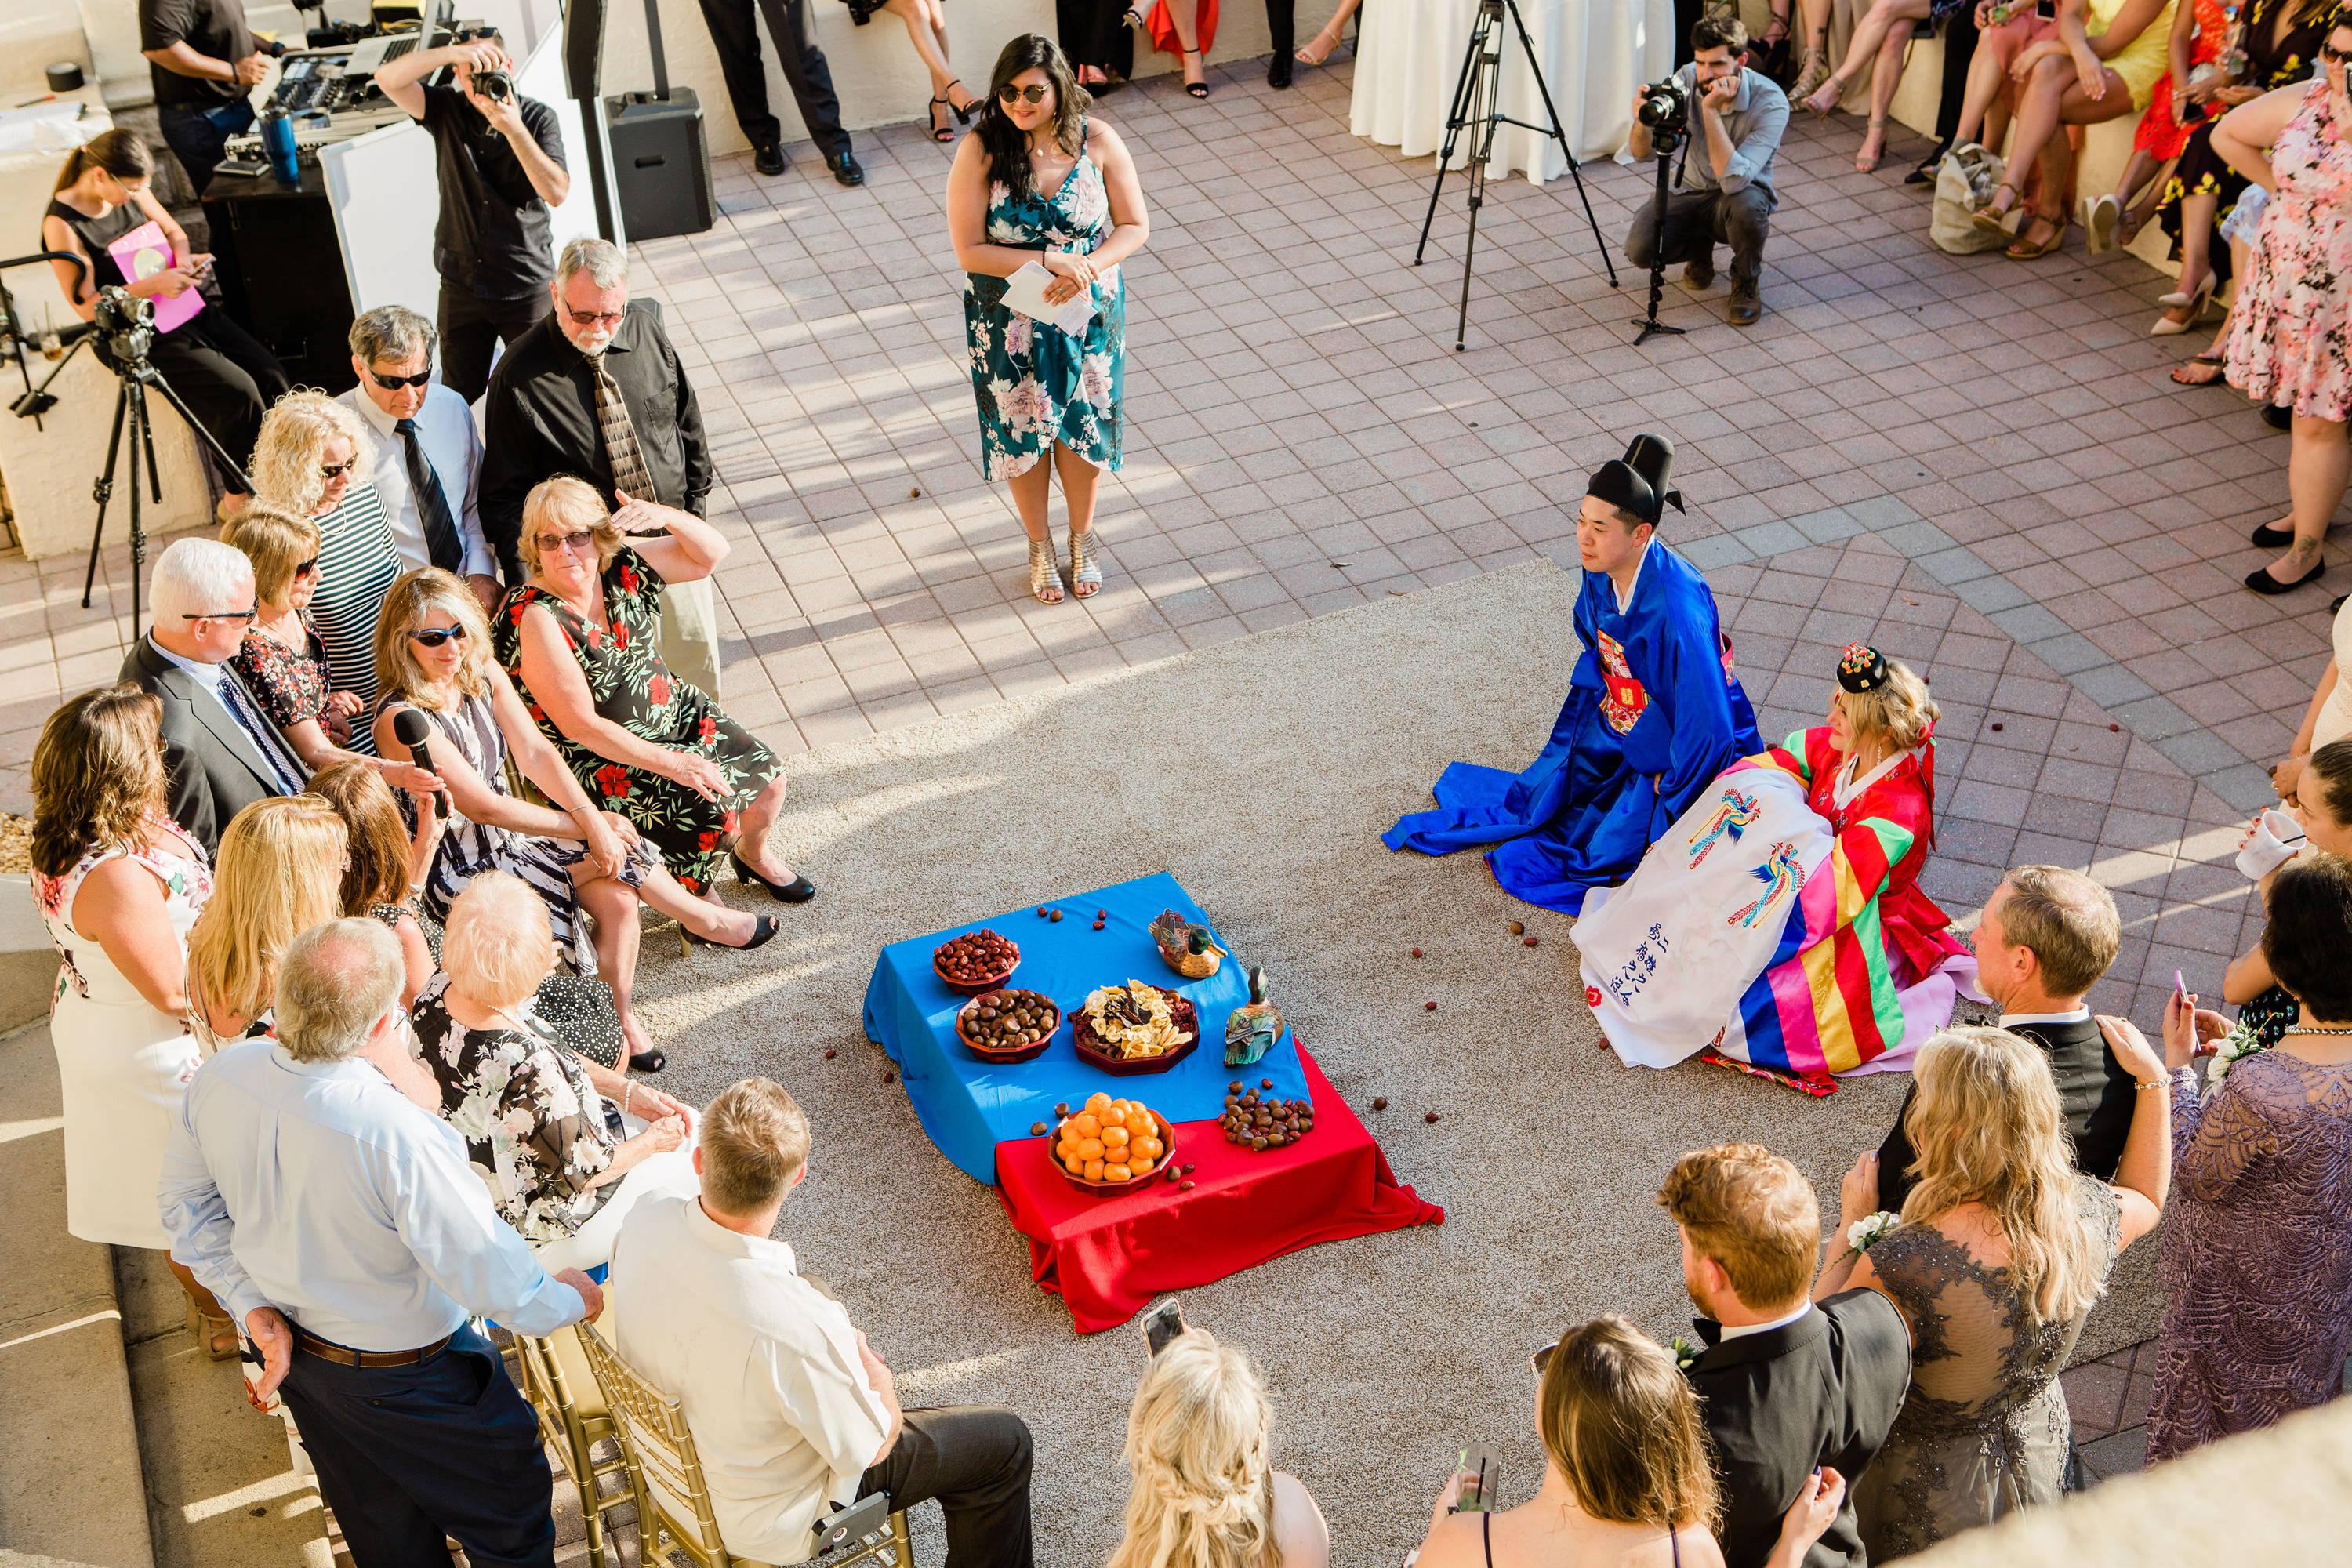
{"x":1038,"y":182}
{"x":583,"y":640}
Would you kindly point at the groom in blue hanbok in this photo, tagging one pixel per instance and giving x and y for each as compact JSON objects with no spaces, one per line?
{"x":1653,"y":711}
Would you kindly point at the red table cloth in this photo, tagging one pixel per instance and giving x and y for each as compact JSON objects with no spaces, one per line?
{"x":1108,"y":1256}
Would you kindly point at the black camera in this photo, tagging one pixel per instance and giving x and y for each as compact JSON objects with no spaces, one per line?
{"x":496,"y":85}
{"x":126,"y":324}
{"x":1666,"y":107}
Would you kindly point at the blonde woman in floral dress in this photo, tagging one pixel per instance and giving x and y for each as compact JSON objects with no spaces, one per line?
{"x":1039,"y":182}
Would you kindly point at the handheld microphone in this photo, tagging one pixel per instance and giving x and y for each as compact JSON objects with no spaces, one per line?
{"x":413,"y":729}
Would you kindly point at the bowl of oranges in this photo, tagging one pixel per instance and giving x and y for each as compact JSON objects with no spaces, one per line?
{"x":1109,"y":1144}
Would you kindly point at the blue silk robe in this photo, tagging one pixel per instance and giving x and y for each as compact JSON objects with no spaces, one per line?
{"x":1653,"y":712}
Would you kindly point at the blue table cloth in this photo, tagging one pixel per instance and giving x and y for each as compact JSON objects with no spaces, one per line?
{"x":968,"y":1106}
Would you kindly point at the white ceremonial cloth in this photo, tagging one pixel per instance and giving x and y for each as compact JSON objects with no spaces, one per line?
{"x":1667,"y":956}
{"x":1594,"y":54}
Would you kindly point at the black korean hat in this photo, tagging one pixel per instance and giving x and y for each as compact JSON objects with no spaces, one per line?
{"x":1637,"y":483}
{"x":1861,"y":669}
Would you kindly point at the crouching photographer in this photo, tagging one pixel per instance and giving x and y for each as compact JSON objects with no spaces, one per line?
{"x":1733,"y":119}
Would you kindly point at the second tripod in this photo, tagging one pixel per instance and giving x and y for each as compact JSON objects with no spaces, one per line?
{"x":1477,"y":109}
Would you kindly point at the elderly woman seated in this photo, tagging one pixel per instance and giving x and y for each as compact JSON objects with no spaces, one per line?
{"x":565,"y":1146}
{"x":433,"y":648}
{"x":581,"y":638}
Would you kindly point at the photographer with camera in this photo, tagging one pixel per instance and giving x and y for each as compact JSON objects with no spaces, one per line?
{"x":1725,"y":193}
{"x":500,"y":160}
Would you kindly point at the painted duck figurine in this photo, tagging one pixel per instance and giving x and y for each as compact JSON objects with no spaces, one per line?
{"x":1252,"y":1028}
{"x":1190,"y":950}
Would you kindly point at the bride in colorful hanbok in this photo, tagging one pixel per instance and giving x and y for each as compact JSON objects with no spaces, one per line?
{"x":1779,"y":925}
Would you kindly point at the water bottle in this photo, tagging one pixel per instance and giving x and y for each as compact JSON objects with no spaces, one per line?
{"x":278,"y":144}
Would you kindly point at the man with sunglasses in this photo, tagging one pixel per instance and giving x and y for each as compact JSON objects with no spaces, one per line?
{"x":428,"y":455}
{"x":597,"y":391}
{"x":220,"y":752}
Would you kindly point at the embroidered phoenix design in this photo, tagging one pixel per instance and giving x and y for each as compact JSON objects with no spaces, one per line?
{"x":1779,"y":875}
{"x":1736,"y":815}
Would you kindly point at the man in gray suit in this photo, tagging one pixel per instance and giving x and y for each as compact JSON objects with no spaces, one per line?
{"x":219,"y":748}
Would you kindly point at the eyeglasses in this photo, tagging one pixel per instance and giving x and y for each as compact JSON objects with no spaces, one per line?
{"x":337,"y":470}
{"x":595,"y":318}
{"x":2335,"y":56}
{"x":550,"y":544}
{"x":434,"y":636}
{"x":1012,"y":94}
{"x":225,"y":615}
{"x":1542,"y":1358}
{"x":396,"y":383}
{"x":307,"y":567}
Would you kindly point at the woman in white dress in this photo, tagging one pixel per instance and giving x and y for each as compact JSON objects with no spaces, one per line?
{"x":2329,"y":717}
{"x":118,"y":887}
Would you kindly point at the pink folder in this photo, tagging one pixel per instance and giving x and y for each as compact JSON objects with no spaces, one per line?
{"x":144,"y":252}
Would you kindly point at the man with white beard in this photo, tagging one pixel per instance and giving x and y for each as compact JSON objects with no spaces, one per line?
{"x":595,"y":390}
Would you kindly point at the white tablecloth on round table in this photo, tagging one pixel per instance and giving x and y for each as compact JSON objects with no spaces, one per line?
{"x":1594,"y":54}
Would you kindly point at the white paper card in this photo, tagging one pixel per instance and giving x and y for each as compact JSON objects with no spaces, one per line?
{"x":1025,"y":292}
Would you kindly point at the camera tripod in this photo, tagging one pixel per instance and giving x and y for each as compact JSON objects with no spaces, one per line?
{"x":1477,"y":109}
{"x":1664,"y":143}
{"x":133,"y":375}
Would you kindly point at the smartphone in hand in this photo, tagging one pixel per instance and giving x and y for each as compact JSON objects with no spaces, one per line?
{"x":1477,"y":1469}
{"x":1161,"y":1324}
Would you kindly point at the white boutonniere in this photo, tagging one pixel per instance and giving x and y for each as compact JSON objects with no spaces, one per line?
{"x":1868,"y":1231}
{"x":2236,"y":1046}
{"x":1687,"y":1355}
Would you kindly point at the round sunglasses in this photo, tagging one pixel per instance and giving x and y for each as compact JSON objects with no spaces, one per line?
{"x":1012,"y":94}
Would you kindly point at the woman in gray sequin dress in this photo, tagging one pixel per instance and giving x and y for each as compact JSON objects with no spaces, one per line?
{"x":2003,"y":1249}
{"x":2257,"y":1261}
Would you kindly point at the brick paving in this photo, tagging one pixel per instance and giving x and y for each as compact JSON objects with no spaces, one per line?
{"x":1977,"y":462}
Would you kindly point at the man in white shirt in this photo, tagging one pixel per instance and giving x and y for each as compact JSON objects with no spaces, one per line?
{"x":791,"y":1412}
{"x":342,"y":1228}
{"x":429,"y":454}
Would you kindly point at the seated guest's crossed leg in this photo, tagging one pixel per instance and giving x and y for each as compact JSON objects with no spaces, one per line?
{"x":973,"y":1460}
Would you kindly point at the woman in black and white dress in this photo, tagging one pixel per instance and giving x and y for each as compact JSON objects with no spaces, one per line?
{"x":313,"y":461}
{"x":433,"y":653}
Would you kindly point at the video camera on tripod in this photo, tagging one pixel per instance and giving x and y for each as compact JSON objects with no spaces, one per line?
{"x":126,"y":326}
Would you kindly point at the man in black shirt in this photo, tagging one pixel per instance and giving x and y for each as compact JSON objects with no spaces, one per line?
{"x":501,"y":161}
{"x":2045,"y":937}
{"x":736,"y":31}
{"x":201,"y":60}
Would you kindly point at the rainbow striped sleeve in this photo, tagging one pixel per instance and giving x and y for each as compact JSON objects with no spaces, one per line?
{"x":1827,"y":1001}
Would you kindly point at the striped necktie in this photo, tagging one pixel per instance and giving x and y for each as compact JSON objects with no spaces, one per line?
{"x":629,"y":475}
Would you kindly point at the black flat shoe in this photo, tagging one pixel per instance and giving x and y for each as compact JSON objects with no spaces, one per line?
{"x":766,"y":928}
{"x":799,"y":890}
{"x":648,"y":1061}
{"x":1924,"y":175}
{"x":769,"y":160}
{"x":2260,"y":581}
{"x":846,"y":170}
{"x":2336,"y":606}
{"x":2271,"y":538}
{"x":1278,"y":69}
{"x":2278,"y":418}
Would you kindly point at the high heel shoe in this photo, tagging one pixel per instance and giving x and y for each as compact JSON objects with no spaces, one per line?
{"x":1867,"y":163}
{"x":1985,"y":217}
{"x":1824,"y":98}
{"x":1196,"y":89}
{"x":1810,"y":74}
{"x":1045,"y":576}
{"x":1085,"y":577}
{"x":799,"y":890}
{"x":2195,"y":304}
{"x":941,"y":132}
{"x":1311,"y":56}
{"x":763,"y":926}
{"x":2182,"y":296}
{"x":963,"y":116}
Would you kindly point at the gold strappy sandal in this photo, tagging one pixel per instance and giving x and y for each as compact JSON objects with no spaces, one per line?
{"x":1045,"y":576}
{"x":1085,"y":577}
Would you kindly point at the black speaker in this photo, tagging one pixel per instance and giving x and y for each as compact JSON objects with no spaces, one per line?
{"x":661,"y":162}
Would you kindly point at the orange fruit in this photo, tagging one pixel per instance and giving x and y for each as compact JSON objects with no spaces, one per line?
{"x":1118,"y":1174}
{"x":1114,"y":1137}
{"x":1075,"y":1165}
{"x":1093,"y":1171}
{"x":1138,"y":1164}
{"x":1087,"y":1123}
{"x":1098,"y":1101}
{"x":1066,"y":1151}
{"x":1146,"y":1148}
{"x":1090,"y":1148}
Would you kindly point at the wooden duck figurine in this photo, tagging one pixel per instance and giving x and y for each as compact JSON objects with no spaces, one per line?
{"x":1190,"y":950}
{"x":1252,"y":1028}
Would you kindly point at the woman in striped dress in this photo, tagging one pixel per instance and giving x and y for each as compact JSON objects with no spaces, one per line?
{"x":313,"y":461}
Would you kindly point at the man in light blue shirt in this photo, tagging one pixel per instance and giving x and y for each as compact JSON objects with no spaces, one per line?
{"x":1723,"y":189}
{"x":342,"y":1228}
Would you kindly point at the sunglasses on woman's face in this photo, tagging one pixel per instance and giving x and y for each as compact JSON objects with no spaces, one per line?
{"x":1542,"y":1358}
{"x":307,"y":567}
{"x":434,"y":636}
{"x":2335,"y":56}
{"x":550,"y":544}
{"x":1012,"y":94}
{"x":337,"y":470}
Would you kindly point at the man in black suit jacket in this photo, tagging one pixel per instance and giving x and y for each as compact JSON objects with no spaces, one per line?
{"x":220,"y":751}
{"x":540,"y":419}
{"x":2046,"y":935}
{"x":1785,"y":1385}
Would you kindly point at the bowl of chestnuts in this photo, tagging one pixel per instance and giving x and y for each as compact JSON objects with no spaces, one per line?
{"x":975,"y":962}
{"x":1008,"y":1027}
